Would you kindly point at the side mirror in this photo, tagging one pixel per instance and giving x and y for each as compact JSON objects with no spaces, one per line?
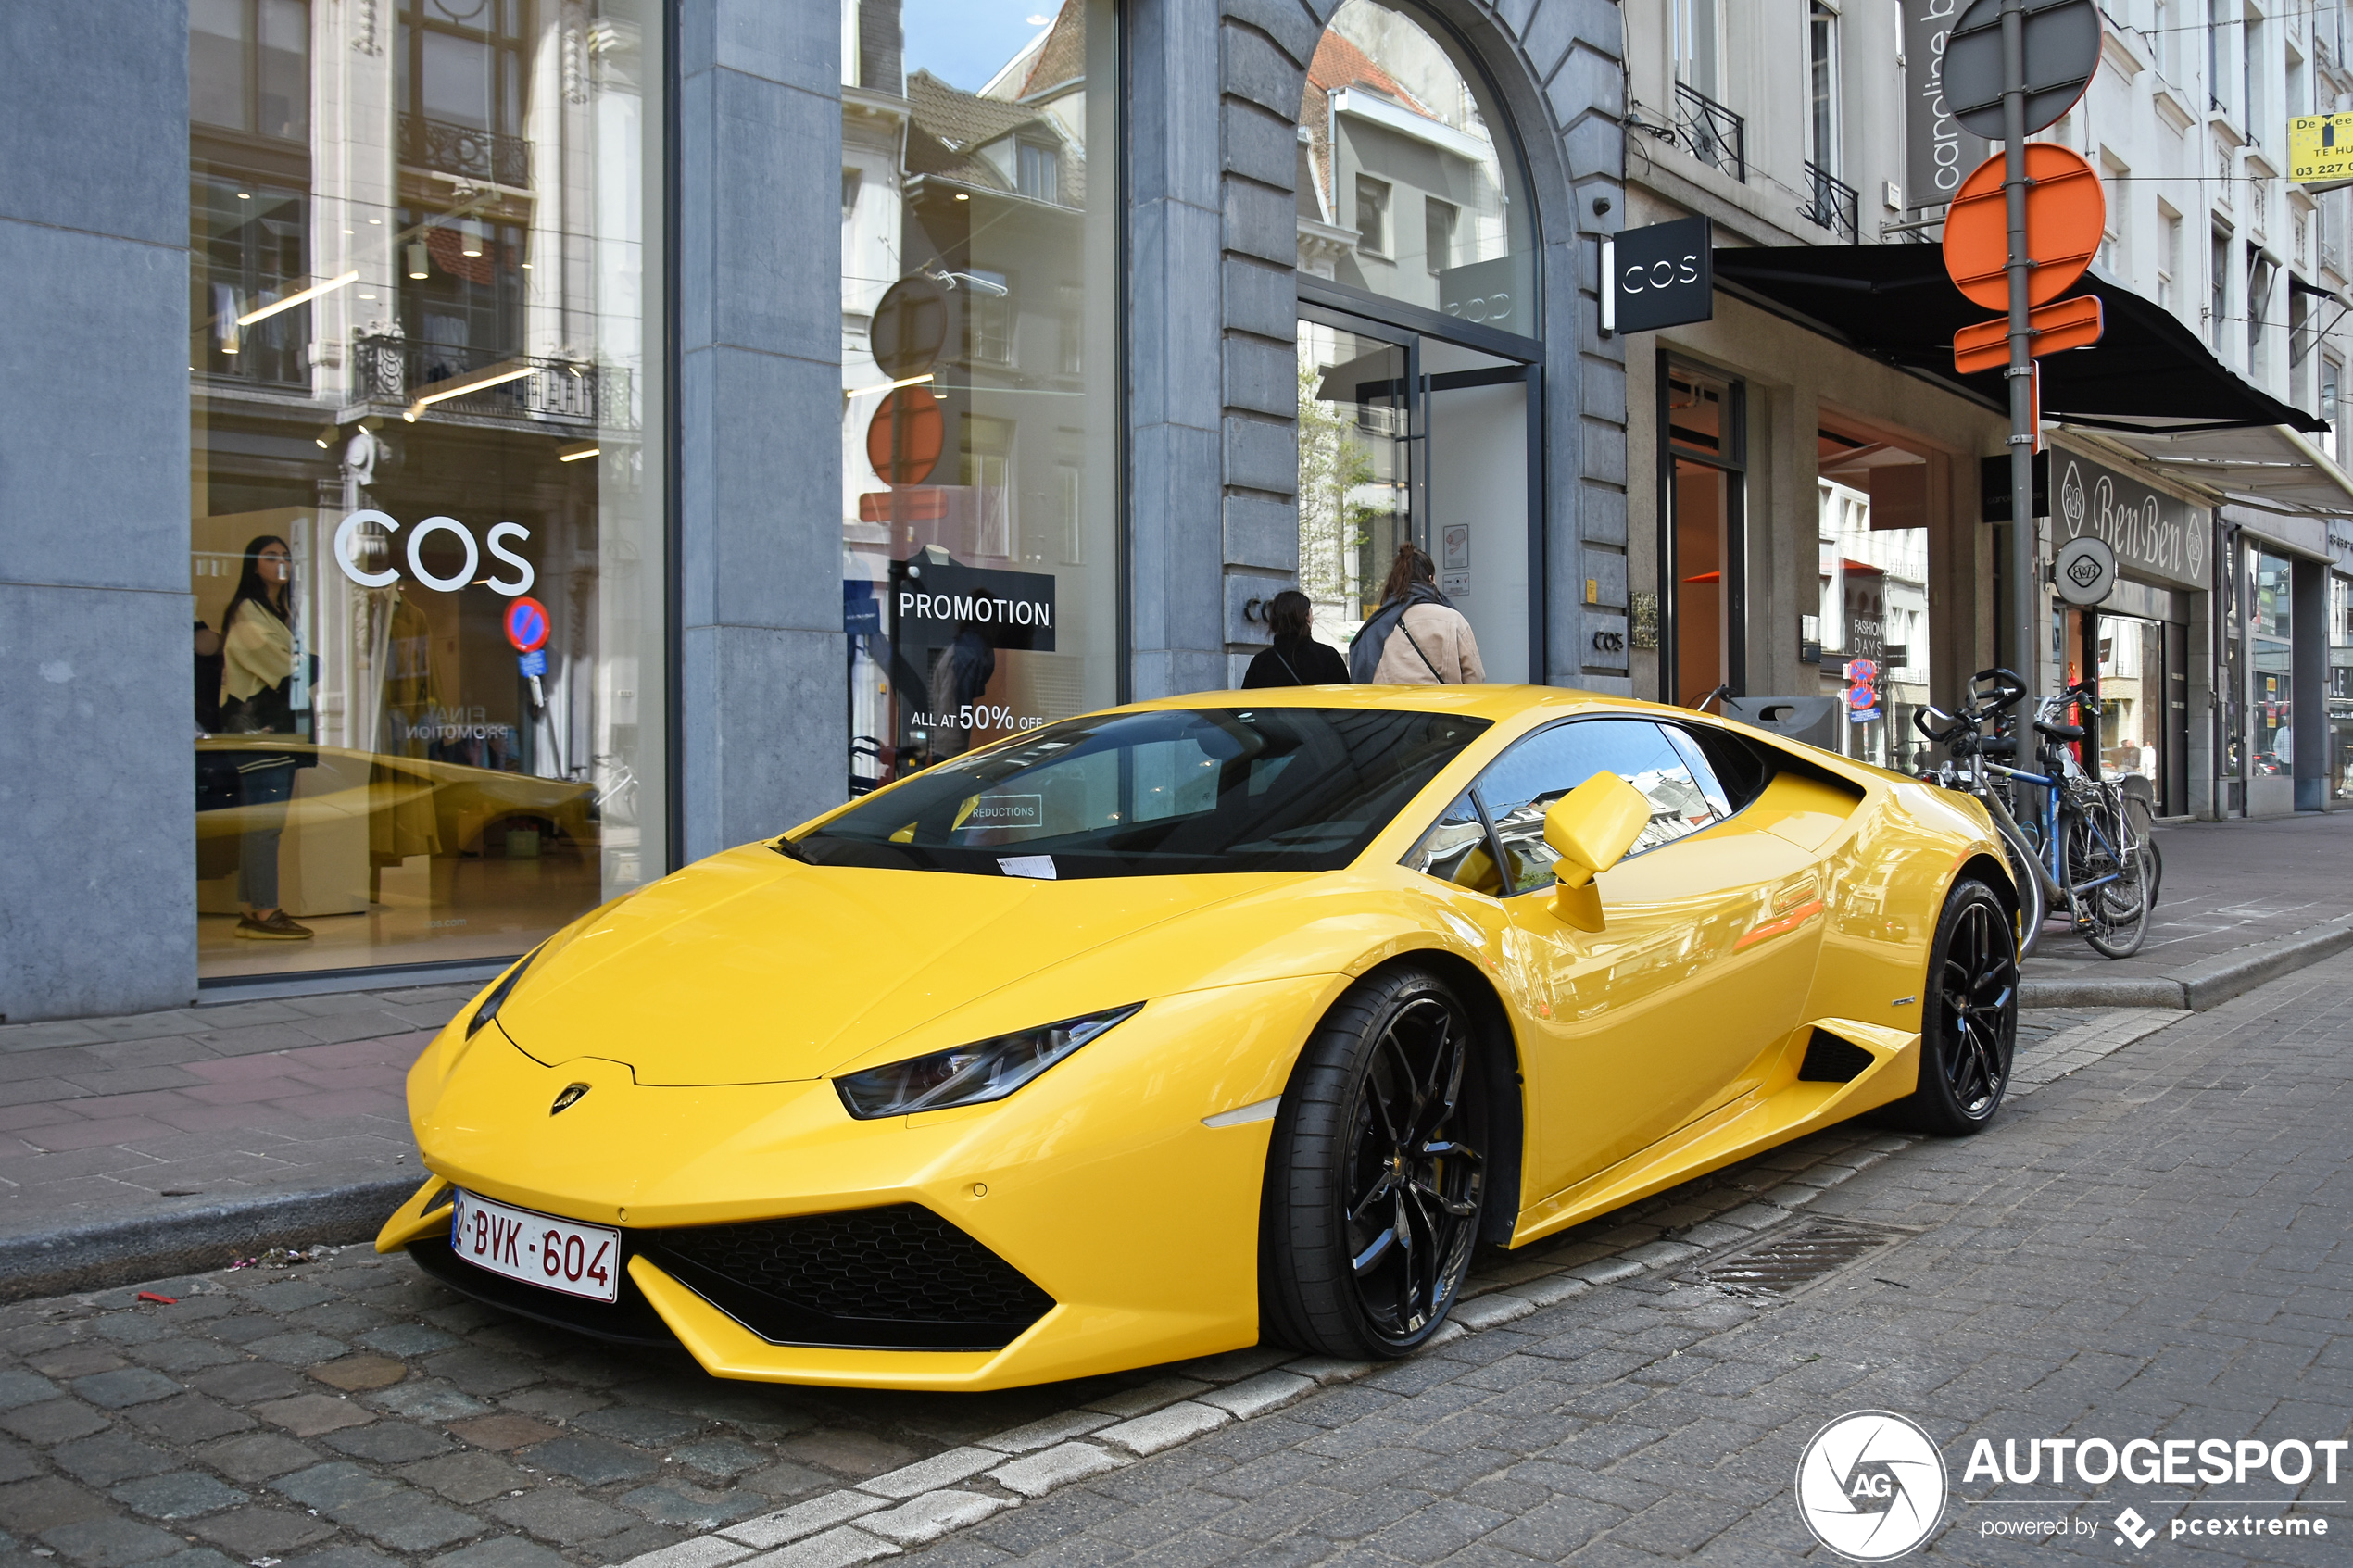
{"x":1590,"y":828}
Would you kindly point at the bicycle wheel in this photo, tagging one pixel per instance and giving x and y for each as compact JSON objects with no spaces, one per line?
{"x":2113,"y":917}
{"x":2144,"y":837}
{"x":2031,"y":908}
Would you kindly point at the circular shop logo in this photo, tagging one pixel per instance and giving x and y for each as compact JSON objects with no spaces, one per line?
{"x":1871,"y":1485}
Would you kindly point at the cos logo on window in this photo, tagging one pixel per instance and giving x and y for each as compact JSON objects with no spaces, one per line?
{"x":347,"y":542}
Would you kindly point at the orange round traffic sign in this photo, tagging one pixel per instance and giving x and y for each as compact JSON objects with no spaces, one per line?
{"x":904,"y":438}
{"x":2066,"y":212}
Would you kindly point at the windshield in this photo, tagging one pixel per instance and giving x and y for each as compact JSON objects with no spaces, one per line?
{"x":1276,"y":789}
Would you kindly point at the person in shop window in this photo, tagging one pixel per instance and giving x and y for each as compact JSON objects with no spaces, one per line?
{"x":1296,"y":658}
{"x":1416,"y":637}
{"x":256,"y":683}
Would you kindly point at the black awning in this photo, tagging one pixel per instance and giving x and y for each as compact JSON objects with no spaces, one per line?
{"x":1895,"y":302}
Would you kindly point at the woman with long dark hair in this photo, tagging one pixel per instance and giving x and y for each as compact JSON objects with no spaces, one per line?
{"x":256,"y":683}
{"x":1297,"y":659}
{"x":1417,"y":637}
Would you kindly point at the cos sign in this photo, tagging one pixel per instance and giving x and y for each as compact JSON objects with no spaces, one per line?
{"x":347,"y":540}
{"x":1662,"y":276}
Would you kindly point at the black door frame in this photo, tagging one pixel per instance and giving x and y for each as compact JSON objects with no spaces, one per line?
{"x":1732,"y":461}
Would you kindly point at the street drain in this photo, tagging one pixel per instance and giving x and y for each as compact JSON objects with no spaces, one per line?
{"x":1783,"y":1263}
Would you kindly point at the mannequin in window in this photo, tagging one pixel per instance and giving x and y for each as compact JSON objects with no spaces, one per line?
{"x":1297,"y":659}
{"x":256,"y":680}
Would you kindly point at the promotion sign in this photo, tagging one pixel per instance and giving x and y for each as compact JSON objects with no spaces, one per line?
{"x":934,"y":603}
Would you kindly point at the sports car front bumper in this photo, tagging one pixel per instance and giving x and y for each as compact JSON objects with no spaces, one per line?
{"x":1089,"y":1223}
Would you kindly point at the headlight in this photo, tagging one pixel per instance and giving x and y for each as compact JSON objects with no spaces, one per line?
{"x":491,"y":1003}
{"x":969,"y":1075}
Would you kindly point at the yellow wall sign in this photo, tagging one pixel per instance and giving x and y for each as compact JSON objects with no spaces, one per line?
{"x":2320,"y":148}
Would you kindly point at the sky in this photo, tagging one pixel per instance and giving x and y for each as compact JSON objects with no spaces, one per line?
{"x":964,"y":42}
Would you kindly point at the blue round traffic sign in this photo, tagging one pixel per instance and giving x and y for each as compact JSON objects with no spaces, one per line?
{"x":527,"y":625}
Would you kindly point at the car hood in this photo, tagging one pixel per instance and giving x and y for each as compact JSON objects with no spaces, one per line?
{"x":752,"y":968}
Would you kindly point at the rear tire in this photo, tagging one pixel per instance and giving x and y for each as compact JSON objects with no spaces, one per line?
{"x":1968,"y":1016}
{"x":1375,"y":1178}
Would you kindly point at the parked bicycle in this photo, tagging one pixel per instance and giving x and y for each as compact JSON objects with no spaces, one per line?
{"x":2074,"y":843}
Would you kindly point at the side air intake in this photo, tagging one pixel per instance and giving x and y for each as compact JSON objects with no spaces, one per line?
{"x":1829,"y":1059}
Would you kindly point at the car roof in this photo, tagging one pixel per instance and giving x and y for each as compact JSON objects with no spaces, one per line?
{"x":1492,"y":702}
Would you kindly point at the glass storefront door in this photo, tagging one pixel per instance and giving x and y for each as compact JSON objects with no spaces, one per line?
{"x":1406,"y":437}
{"x":2134,"y":731}
{"x":1703,"y":561}
{"x":424,"y":527}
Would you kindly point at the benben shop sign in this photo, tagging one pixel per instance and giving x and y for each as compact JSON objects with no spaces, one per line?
{"x":2154,"y":536}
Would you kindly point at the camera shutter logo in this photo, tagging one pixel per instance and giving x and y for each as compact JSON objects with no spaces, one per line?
{"x":1871,"y":1485}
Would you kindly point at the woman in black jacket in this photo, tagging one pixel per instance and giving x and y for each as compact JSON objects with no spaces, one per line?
{"x":1297,"y":659}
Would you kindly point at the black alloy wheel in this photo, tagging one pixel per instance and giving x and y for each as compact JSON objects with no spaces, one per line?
{"x":1968,"y":1015}
{"x":1375,"y":1180}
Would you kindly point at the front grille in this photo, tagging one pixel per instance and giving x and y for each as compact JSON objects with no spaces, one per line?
{"x":893,"y":1278}
{"x":631,"y":1320}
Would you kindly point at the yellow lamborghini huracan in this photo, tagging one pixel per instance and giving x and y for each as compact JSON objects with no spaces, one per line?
{"x":1226,"y":1017}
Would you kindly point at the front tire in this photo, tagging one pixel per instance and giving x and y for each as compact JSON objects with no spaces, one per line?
{"x":1375,"y":1180}
{"x":1968,"y":1016}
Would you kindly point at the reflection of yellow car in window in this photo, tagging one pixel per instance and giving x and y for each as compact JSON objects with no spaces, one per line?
{"x":410,"y":805}
{"x":1154,"y":1033}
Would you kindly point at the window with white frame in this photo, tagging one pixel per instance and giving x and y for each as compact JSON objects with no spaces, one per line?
{"x":1697,"y":43}
{"x":1822,"y":82}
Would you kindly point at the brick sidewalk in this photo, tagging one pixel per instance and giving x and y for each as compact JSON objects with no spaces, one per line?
{"x":106,"y":1118}
{"x":2227,"y":885}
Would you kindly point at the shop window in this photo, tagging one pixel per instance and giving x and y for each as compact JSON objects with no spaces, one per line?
{"x":979,"y":287}
{"x":424,"y":539}
{"x":2341,"y":686}
{"x":2271,"y":712}
{"x":1874,"y":615}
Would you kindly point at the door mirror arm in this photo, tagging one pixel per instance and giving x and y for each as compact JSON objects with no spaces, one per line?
{"x":1590,"y":829}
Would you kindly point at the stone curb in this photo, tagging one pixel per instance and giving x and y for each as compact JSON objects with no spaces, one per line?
{"x":2202,"y":986}
{"x":195,"y":1240}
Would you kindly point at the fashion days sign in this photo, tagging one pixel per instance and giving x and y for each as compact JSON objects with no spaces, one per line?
{"x":1872,"y":1486}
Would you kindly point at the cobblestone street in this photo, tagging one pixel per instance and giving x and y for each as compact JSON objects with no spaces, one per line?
{"x":2152,"y":1244}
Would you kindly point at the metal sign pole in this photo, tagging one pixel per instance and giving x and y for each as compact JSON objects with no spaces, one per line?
{"x":2025,"y":629}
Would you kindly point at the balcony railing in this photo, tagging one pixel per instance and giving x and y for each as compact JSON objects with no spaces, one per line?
{"x":464,"y":151}
{"x":1715,"y":135}
{"x":1834,"y":205}
{"x":427,"y":379}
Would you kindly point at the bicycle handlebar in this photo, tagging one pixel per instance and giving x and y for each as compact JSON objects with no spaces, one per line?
{"x":2007,"y":688}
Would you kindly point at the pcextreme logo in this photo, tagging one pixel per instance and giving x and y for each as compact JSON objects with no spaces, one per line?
{"x":1871,"y":1485}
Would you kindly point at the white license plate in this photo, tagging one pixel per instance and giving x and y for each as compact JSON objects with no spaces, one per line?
{"x":537,"y":1248}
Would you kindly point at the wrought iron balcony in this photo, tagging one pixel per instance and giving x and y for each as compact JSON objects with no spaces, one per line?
{"x":481,"y":386}
{"x":1834,"y":205}
{"x":1715,"y":135}
{"x":464,"y":151}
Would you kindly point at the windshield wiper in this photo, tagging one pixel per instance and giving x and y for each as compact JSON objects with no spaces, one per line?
{"x":791,"y":851}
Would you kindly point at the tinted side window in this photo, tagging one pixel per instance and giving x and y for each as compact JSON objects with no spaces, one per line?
{"x":1455,"y":850}
{"x":1520,"y":786}
{"x":1742,"y":768}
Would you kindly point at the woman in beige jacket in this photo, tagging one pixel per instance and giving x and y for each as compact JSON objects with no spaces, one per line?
{"x":1416,"y":637}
